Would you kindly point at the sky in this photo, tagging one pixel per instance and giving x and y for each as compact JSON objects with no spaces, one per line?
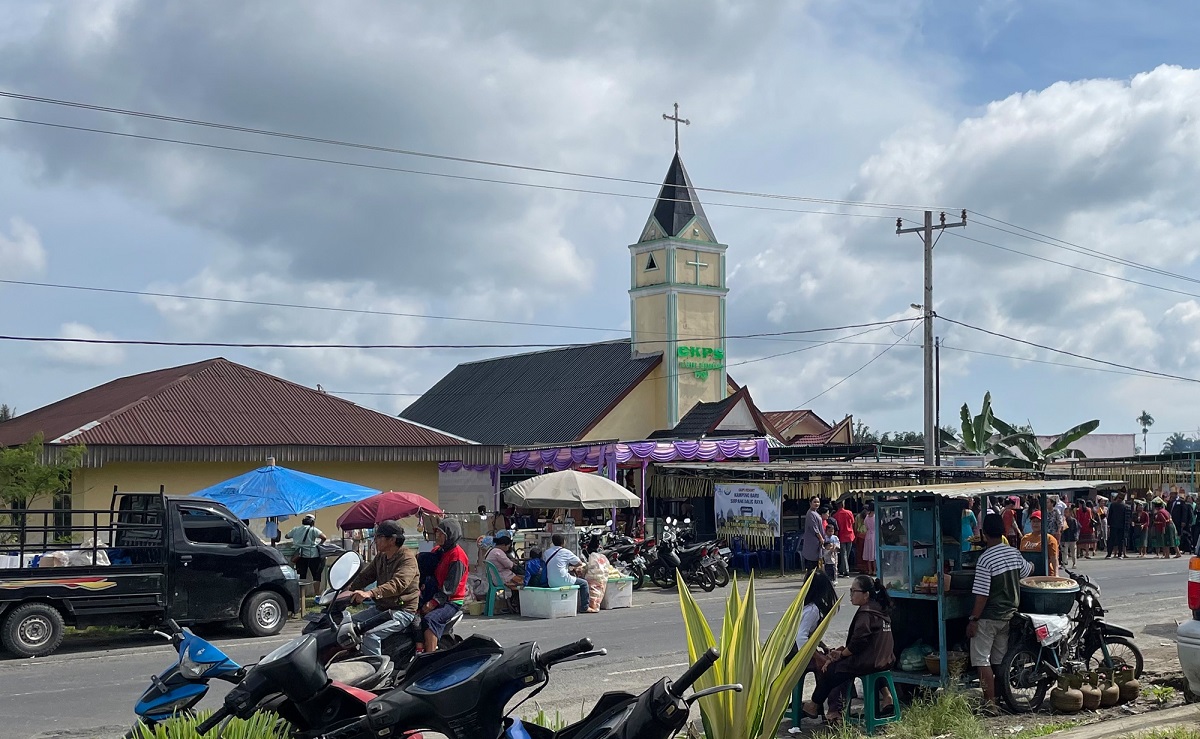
{"x":1070,"y":130}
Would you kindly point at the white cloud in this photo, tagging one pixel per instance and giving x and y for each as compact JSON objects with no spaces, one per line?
{"x":21,"y":251}
{"x":82,"y":354}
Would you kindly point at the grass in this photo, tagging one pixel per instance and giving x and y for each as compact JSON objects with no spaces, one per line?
{"x":1043,"y":729}
{"x":1178,"y":732}
{"x":258,"y":726}
{"x":950,"y":714}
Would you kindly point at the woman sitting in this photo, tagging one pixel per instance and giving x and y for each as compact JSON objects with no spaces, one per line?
{"x":869,"y":648}
{"x":499,"y":556}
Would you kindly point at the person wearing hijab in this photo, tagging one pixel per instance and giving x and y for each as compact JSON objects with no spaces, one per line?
{"x":450,"y":578}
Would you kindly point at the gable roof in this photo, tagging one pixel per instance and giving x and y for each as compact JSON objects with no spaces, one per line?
{"x":214,"y":403}
{"x":841,"y":432}
{"x":677,"y":203}
{"x":784,"y":420}
{"x":546,"y":397}
{"x":704,"y":420}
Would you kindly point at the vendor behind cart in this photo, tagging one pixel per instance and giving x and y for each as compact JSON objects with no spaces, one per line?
{"x":998,"y":574}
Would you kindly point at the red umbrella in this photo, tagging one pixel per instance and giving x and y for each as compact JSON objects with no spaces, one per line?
{"x":384,"y":507}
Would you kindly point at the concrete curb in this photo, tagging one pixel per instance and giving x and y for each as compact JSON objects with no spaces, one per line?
{"x":1188,"y":715}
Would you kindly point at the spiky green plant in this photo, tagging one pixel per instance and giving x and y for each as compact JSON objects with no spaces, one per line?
{"x":767,"y":682}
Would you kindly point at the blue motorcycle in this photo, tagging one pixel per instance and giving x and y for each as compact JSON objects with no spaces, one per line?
{"x":177,"y":689}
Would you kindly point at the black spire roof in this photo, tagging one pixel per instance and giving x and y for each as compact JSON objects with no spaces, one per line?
{"x":677,"y":202}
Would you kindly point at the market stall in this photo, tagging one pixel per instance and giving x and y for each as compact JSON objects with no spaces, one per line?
{"x":927,"y":569}
{"x":568,"y":489}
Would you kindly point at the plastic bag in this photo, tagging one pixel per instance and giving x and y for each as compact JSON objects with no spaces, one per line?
{"x":54,"y":559}
{"x":912,"y":659}
{"x":598,"y":570}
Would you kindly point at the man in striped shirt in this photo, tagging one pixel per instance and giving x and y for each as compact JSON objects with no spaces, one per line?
{"x":997,"y":591}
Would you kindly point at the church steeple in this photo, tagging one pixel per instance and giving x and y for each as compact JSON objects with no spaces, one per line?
{"x":677,"y":294}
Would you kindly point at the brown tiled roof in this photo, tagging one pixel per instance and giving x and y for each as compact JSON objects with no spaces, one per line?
{"x":783,"y":420}
{"x":844,"y":427}
{"x":215,"y":403}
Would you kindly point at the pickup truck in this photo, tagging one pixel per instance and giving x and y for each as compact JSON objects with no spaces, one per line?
{"x":146,"y":559}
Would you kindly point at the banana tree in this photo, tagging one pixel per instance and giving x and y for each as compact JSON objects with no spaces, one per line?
{"x":976,"y":430}
{"x":1020,"y":449}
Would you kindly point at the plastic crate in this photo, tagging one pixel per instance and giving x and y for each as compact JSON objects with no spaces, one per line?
{"x":617,"y":594}
{"x":550,"y":602}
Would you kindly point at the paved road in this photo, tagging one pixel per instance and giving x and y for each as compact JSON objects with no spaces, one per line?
{"x":79,"y":690}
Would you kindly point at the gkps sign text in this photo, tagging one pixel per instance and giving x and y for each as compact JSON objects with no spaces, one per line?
{"x":700,"y":359}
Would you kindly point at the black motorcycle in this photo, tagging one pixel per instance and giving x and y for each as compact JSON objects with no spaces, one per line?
{"x":695,"y":563}
{"x":1038,"y":655}
{"x":463,"y":693}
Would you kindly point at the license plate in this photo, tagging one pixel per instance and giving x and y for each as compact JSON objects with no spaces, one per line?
{"x":725,"y":551}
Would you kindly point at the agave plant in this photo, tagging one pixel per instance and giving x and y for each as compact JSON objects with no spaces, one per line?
{"x":767,"y":682}
{"x":258,"y":726}
{"x":1020,"y":449}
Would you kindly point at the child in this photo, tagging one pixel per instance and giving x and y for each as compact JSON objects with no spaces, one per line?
{"x":829,"y":552}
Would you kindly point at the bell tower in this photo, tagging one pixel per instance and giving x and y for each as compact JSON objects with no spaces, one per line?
{"x":677,"y":293}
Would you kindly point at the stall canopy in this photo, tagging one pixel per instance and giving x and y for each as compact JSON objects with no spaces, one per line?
{"x":274,"y":491}
{"x":570,"y":489}
{"x":385,"y":507}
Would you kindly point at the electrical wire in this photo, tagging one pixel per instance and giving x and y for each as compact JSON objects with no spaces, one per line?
{"x":860,"y":369}
{"x":1068,"y":353}
{"x":622,"y":383}
{"x":258,"y":345}
{"x":430,"y":155}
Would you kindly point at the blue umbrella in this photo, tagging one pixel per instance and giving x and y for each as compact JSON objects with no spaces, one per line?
{"x":274,"y":491}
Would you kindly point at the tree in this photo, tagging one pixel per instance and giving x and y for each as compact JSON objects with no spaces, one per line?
{"x":1145,"y":421}
{"x":863,"y":434}
{"x":1177,"y":443}
{"x":25,"y":476}
{"x":6,"y":412}
{"x":976,"y":430}
{"x":1020,"y":449}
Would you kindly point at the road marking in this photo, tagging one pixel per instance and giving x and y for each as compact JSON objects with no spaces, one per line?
{"x":650,"y":669}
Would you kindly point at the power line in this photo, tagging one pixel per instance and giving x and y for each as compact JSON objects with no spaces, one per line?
{"x":258,"y":345}
{"x":1077,"y":267}
{"x":860,"y":369}
{"x":402,"y":170}
{"x":1058,"y":243}
{"x":428,"y":155}
{"x":1068,"y":353}
{"x":765,"y":336}
{"x":1049,"y":362}
{"x":566,"y":388}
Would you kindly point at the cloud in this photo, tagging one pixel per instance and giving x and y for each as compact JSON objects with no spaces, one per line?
{"x":84,"y":355}
{"x":21,"y":251}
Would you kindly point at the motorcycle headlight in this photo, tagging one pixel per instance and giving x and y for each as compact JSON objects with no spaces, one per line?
{"x":192,"y":669}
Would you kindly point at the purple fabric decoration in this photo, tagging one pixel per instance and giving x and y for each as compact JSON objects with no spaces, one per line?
{"x":706,"y":450}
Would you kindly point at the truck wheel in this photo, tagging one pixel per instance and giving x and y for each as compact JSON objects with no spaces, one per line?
{"x":264,"y":613}
{"x":33,"y":630}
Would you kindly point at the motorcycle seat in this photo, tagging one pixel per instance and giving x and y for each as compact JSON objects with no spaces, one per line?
{"x":360,"y":671}
{"x":691,"y":548}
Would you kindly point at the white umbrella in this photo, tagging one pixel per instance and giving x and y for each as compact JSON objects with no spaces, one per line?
{"x":570,"y":489}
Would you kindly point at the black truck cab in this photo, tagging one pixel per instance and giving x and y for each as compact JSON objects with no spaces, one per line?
{"x":148,"y":558}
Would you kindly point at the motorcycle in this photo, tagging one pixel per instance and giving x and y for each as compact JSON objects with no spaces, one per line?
{"x":625,"y":553}
{"x":720,"y":556}
{"x":694,"y":563}
{"x":1041,"y":648}
{"x":464,"y":692}
{"x":180,"y":687}
{"x":298,"y":684}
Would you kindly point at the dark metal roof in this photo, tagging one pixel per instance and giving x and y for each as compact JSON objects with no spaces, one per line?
{"x":701,"y":419}
{"x":677,"y":202}
{"x":547,"y":397}
{"x":215,"y":403}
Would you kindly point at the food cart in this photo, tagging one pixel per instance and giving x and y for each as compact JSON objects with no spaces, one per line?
{"x":923,"y":564}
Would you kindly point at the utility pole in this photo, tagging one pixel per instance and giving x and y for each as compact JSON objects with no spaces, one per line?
{"x":928,"y":314}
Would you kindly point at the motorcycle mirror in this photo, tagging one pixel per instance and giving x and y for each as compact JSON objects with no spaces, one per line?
{"x":344,"y":570}
{"x":609,"y":523}
{"x":687,"y":520}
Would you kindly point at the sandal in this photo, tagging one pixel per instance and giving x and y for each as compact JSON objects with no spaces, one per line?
{"x":814,"y":714}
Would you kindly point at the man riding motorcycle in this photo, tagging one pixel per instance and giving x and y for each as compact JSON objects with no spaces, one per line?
{"x":397,"y":589}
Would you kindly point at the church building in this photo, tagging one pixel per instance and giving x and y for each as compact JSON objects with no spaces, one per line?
{"x":672,"y":369}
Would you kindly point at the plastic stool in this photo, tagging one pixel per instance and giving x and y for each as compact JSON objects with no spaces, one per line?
{"x":870,"y":718}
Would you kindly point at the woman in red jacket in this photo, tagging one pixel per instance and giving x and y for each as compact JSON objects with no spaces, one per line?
{"x":451,"y":577}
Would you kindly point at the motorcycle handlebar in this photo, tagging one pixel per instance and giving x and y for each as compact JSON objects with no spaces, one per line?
{"x":547,"y":659}
{"x":706,"y":661}
{"x":373,"y":623}
{"x":211,"y":722}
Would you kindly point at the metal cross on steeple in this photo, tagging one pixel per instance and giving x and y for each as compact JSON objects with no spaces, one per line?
{"x":677,"y":120}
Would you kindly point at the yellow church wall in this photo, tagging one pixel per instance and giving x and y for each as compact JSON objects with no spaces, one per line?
{"x":639,"y":413}
{"x":92,"y":488}
{"x":642,"y":276}
{"x":699,"y":323}
{"x":685,"y":274}
{"x":650,"y":314}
